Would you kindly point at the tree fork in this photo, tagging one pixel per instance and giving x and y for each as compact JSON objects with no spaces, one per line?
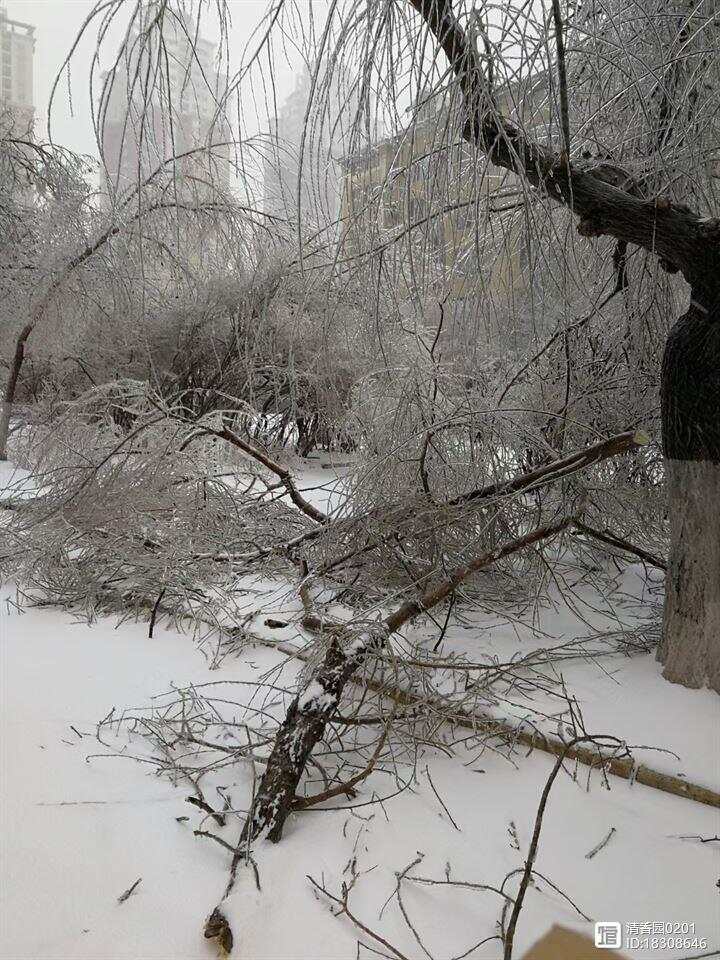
{"x":609,"y":202}
{"x":307,"y":717}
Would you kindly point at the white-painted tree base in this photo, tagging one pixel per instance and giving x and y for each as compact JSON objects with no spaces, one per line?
{"x":690,"y":648}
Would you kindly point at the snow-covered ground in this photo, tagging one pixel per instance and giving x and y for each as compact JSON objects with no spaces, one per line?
{"x":14,"y":481}
{"x":78,"y":832}
{"x":79,"y":827}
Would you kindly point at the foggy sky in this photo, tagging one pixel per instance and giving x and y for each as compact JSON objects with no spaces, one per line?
{"x":58,"y":23}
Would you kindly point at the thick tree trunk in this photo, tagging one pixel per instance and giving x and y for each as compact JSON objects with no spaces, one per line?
{"x":5,"y":413}
{"x":690,"y":647}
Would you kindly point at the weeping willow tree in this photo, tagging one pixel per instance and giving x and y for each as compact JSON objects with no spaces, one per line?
{"x":533,"y":190}
{"x":655,"y":113}
{"x":528,"y":131}
{"x":637,"y":205}
{"x":499,"y":213}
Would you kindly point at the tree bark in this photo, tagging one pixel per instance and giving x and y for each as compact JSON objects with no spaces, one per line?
{"x":690,"y":647}
{"x":11,"y":386}
{"x":303,"y":726}
{"x":308,"y":714}
{"x":609,"y":202}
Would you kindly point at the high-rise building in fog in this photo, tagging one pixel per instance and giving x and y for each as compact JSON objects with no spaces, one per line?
{"x":140,"y":130}
{"x":17,"y":47}
{"x":302,"y":174}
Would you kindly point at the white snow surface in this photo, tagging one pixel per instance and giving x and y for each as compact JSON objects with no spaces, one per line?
{"x":78,"y":829}
{"x":77,"y":832}
{"x":15,"y":482}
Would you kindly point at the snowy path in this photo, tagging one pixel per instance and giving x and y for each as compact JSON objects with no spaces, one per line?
{"x":77,"y":834}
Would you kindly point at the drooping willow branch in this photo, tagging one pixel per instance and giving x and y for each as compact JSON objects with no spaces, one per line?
{"x":606,"y":198}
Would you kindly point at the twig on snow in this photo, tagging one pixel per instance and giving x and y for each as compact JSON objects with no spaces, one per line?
{"x":344,"y":908}
{"x":124,"y":896}
{"x":591,"y":853}
{"x":440,"y":799}
{"x":532,"y":852}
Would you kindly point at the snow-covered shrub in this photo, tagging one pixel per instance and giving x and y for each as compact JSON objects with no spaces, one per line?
{"x":126,"y":512}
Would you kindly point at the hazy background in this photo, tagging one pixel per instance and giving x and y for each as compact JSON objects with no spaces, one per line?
{"x":58,"y":23}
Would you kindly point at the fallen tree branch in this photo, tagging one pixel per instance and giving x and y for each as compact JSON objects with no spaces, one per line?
{"x":310,"y":711}
{"x":219,"y":818}
{"x":411,"y":608}
{"x":603,"y":843}
{"x":308,"y":714}
{"x":347,"y":788}
{"x":625,"y":769}
{"x":344,"y":908}
{"x":282,"y":473}
{"x":620,"y":544}
{"x":559,"y":469}
{"x":532,"y":852}
{"x":526,"y":482}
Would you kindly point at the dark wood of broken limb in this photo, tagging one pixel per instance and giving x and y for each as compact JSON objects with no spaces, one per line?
{"x":281,"y":472}
{"x":307,"y":717}
{"x":308,"y":714}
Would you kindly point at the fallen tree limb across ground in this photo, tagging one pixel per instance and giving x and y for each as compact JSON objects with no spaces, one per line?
{"x":525,"y":734}
{"x":309,"y":712}
{"x":313,"y":708}
{"x":350,"y":645}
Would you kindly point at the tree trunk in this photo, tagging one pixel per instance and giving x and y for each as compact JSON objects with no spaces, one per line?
{"x":690,"y":647}
{"x":11,"y":386}
{"x":609,"y":201}
{"x":5,"y":412}
{"x":303,"y":726}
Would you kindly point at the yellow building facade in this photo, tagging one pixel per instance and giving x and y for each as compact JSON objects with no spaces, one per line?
{"x":436,"y":209}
